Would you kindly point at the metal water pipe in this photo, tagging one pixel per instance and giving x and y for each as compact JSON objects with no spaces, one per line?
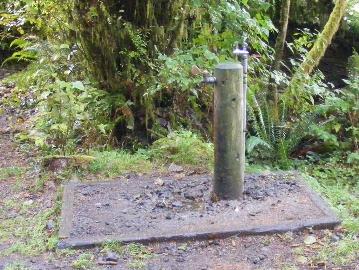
{"x":243,"y":55}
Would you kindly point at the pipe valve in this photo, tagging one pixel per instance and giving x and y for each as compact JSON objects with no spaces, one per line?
{"x":207,"y":77}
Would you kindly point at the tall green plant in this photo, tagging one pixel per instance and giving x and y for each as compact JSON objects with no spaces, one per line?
{"x":340,"y":112}
{"x":278,"y":137}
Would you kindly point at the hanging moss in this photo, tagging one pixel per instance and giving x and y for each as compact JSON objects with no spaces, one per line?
{"x":121,"y":40}
{"x":106,"y":29}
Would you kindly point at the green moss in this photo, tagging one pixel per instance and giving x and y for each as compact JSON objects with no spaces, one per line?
{"x":183,"y":148}
{"x":114,"y":246}
{"x":26,"y":232}
{"x":72,"y":161}
{"x":84,"y":262}
{"x":139,"y":255}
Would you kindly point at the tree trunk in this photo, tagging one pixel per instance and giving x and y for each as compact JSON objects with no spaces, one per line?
{"x":282,"y":35}
{"x":273,"y":94}
{"x":323,"y":41}
{"x":295,"y":96}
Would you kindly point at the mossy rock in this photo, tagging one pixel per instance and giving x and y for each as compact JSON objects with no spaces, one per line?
{"x":58,"y":163}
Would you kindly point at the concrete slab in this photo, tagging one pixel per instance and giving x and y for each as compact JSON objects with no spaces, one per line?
{"x":151,"y":208}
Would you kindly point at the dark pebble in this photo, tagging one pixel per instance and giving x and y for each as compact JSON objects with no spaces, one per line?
{"x":214,"y":242}
{"x":160,"y":205}
{"x":50,"y":225}
{"x":192,"y":195}
{"x":334,"y":238}
{"x":262,"y":257}
{"x":180,"y":259}
{"x":111,"y":257}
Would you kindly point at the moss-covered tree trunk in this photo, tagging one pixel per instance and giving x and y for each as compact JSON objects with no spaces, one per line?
{"x":96,"y":31}
{"x":323,"y":41}
{"x":273,"y":94}
{"x":282,"y":35}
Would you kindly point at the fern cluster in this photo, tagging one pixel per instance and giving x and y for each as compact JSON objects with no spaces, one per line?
{"x":273,"y":130}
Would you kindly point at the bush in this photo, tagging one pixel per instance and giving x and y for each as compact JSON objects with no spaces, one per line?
{"x":71,"y":113}
{"x":340,"y":113}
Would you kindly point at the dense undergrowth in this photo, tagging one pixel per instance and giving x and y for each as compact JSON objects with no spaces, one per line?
{"x":74,"y":113}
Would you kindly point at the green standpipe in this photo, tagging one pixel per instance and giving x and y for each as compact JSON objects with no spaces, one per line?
{"x":229,"y":132}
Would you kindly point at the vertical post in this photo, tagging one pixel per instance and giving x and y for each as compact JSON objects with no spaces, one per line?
{"x":243,"y":54}
{"x":229,"y":139}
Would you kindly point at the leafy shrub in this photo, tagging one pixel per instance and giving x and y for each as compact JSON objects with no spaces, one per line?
{"x":24,"y":22}
{"x":71,"y":113}
{"x":340,"y":113}
{"x":184,"y":148}
{"x":337,"y":179}
{"x":8,"y":172}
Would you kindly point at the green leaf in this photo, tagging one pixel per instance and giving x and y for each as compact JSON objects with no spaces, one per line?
{"x":78,"y":85}
{"x":337,"y":127}
{"x":353,"y":158}
{"x":64,"y":46}
{"x":254,"y":142}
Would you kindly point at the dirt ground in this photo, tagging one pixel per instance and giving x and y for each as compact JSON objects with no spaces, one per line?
{"x":29,"y":224}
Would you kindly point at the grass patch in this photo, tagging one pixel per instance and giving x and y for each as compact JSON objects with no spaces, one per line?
{"x":11,"y":172}
{"x":114,"y":163}
{"x":16,"y":266}
{"x":26,"y":232}
{"x":342,"y":253}
{"x":84,"y":262}
{"x":138,"y":254}
{"x":114,"y":246}
{"x":182,"y":148}
{"x":341,"y":188}
{"x":257,"y":168}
